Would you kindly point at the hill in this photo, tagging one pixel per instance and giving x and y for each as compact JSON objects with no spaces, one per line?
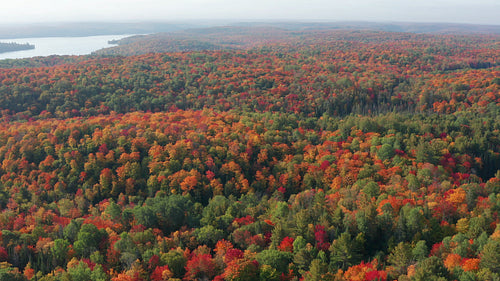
{"x":248,"y":35}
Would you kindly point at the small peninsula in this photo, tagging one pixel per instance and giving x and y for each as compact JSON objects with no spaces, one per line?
{"x":12,"y":47}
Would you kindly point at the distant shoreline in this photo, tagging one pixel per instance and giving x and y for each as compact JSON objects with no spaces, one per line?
{"x":47,"y":46}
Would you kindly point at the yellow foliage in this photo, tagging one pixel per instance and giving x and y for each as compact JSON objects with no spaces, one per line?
{"x":457,"y":197}
{"x":462,"y":225}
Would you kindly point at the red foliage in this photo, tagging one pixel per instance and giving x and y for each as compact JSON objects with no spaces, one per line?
{"x":233,"y":254}
{"x":376,"y":275}
{"x":325,"y":164}
{"x":437,"y":249}
{"x":286,"y":245}
{"x":157,"y":274}
{"x":244,"y":220}
{"x":3,"y":254}
{"x":321,"y":238}
{"x":153,"y":262}
{"x":200,"y":267}
{"x":89,"y":263}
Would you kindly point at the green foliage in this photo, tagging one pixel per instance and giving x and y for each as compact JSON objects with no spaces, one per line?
{"x":145,"y":216}
{"x":299,"y":244}
{"x":88,"y":240}
{"x":208,"y":235}
{"x":8,"y":273}
{"x":420,"y":251}
{"x":431,"y":268}
{"x":346,"y":251}
{"x":276,"y":259}
{"x":171,"y":212}
{"x":385,"y":152}
{"x":98,"y":274}
{"x":490,"y":256}
{"x":71,"y":231}
{"x":316,"y":271}
{"x":80,"y":272}
{"x":176,"y":262}
{"x":215,"y":212}
{"x":267,"y":272}
{"x":400,"y":258}
{"x":60,"y":251}
{"x":371,"y":189}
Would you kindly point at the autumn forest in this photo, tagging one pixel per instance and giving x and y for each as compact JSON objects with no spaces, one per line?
{"x":301,"y":155}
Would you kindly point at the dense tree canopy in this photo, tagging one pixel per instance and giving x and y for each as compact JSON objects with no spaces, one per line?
{"x":352,"y":156}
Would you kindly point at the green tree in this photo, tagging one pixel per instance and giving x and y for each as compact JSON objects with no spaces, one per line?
{"x":71,"y":231}
{"x":97,"y":258}
{"x":60,"y":251}
{"x":420,"y":251}
{"x":400,"y":258}
{"x":276,"y":259}
{"x":490,"y":256}
{"x":88,"y":240}
{"x":114,"y":210}
{"x":208,"y":235}
{"x":129,"y":251}
{"x":173,"y":212}
{"x":299,"y":243}
{"x":431,"y":268}
{"x":366,"y":222}
{"x":98,"y":274}
{"x":80,"y":272}
{"x":214,"y":213}
{"x":346,"y":251}
{"x":267,"y":272}
{"x":176,"y":262}
{"x":372,"y":189}
{"x":303,"y":257}
{"x":316,"y":271}
{"x":477,"y":225}
{"x":146,"y":216}
{"x":386,"y":152}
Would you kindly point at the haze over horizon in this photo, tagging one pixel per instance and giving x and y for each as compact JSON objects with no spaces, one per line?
{"x":438,"y":11}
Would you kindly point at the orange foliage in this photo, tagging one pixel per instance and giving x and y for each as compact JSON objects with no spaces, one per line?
{"x":470,"y":264}
{"x":452,"y":260}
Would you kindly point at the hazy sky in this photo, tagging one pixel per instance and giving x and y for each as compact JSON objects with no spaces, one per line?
{"x":462,"y":11}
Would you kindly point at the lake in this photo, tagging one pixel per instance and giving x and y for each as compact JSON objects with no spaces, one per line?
{"x":47,"y":46}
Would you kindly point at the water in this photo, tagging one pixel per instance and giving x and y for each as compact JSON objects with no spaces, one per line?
{"x":46,"y":46}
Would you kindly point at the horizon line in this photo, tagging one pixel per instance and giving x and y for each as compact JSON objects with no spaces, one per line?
{"x":291,"y":20}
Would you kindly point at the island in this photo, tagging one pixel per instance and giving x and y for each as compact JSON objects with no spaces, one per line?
{"x":12,"y":47}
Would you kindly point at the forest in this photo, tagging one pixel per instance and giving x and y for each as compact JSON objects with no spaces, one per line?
{"x":322,"y":155}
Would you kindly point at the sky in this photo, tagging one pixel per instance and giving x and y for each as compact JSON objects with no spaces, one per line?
{"x":451,"y":11}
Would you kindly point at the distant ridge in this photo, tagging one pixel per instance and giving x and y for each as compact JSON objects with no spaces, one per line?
{"x":433,"y":28}
{"x":249,"y":35}
{"x":13,"y":31}
{"x":109,"y":28}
